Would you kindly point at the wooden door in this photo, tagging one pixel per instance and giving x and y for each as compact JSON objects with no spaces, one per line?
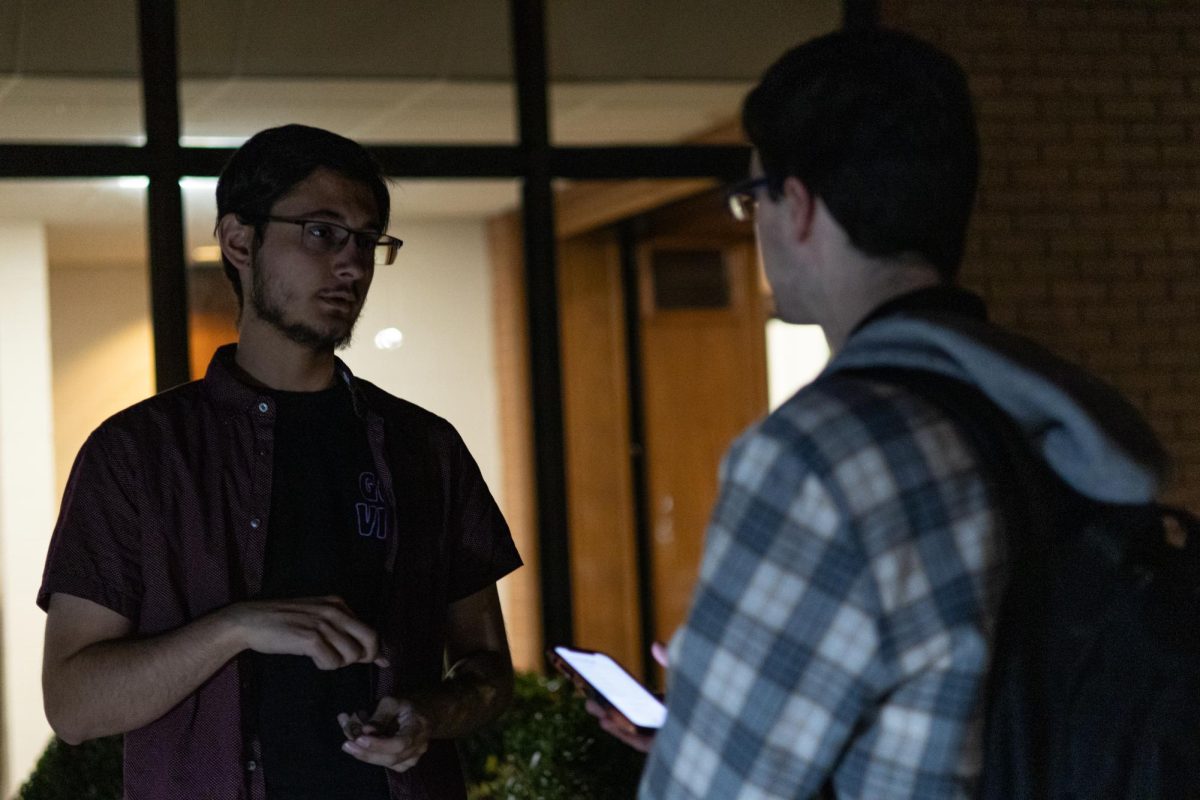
{"x":212,"y":317}
{"x":600,"y":508}
{"x":704,"y":368}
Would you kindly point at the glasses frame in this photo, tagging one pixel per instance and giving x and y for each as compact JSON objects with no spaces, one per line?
{"x":373,"y":239}
{"x":742,"y":197}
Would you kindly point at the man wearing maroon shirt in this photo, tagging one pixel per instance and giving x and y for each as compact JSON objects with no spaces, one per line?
{"x":260,"y":577}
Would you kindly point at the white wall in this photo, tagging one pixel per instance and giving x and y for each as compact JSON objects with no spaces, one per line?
{"x":795,"y":355}
{"x":438,"y":294}
{"x":26,"y":489}
{"x":102,"y":351}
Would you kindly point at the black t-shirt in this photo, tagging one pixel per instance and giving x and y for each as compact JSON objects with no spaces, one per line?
{"x":325,"y":538}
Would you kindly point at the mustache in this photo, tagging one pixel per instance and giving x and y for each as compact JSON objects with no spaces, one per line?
{"x":347,"y":291}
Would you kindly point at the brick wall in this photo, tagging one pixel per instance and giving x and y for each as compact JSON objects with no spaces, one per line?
{"x":1086,"y":236}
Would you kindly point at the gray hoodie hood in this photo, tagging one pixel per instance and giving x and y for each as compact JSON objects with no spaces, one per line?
{"x":1083,"y":428}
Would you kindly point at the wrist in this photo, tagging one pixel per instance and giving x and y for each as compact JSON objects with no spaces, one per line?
{"x":229,"y":629}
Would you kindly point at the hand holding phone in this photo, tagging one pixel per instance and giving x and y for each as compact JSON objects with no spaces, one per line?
{"x":607,"y":684}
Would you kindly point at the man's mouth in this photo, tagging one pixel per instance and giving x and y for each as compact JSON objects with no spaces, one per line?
{"x":340,"y":300}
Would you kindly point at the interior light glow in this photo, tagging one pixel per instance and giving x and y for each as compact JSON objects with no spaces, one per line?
{"x":206,"y":254}
{"x":389,"y":339}
{"x":212,"y":141}
{"x":133,"y":182}
{"x":191,"y":182}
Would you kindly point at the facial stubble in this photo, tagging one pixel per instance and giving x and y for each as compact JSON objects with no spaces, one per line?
{"x":267,"y":305}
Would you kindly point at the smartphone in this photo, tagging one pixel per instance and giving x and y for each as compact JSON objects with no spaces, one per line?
{"x":604,"y":680}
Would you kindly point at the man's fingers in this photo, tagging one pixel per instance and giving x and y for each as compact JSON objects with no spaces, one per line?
{"x":350,"y":650}
{"x":395,"y":736}
{"x":351,"y":725}
{"x":322,"y":628}
{"x":381,"y":721}
{"x":637,"y":741}
{"x":615,"y":724}
{"x":353,"y":637}
{"x":659,"y":651}
{"x":328,"y":647}
{"x":405,"y":766}
{"x":395,"y":753}
{"x":334,"y":600}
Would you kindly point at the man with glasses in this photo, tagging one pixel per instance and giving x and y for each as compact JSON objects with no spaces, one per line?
{"x":844,"y":616}
{"x":260,"y":577}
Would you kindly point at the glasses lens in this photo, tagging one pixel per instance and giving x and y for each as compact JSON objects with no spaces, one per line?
{"x":385,"y":251}
{"x":324,"y":237}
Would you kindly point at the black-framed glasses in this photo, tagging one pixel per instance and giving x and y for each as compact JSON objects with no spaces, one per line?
{"x":323,"y":236}
{"x":742,"y":197}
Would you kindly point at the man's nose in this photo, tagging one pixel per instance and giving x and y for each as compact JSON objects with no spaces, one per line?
{"x":354,"y":257}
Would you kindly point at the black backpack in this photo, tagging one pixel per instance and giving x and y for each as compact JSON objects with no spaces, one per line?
{"x":1094,"y":691}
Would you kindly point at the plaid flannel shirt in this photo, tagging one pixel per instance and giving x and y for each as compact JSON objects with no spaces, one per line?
{"x":840,"y":632}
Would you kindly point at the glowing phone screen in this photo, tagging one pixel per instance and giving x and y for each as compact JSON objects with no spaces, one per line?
{"x":617,"y":686}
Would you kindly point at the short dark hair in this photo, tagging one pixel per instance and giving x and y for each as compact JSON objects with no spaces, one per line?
{"x":273,"y":161}
{"x":880,"y":126}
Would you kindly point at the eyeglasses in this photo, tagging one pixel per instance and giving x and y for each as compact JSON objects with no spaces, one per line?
{"x":322,"y":236}
{"x":742,"y":197}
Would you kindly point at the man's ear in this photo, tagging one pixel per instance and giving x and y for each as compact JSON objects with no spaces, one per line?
{"x":802,"y":206}
{"x":237,"y":241}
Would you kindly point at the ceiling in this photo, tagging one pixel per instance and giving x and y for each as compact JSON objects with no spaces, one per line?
{"x":225,"y":112}
{"x":586,"y":40}
{"x":380,"y":71}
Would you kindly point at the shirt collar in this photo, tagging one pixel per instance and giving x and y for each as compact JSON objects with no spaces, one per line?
{"x":943,"y":297}
{"x":223,"y":385}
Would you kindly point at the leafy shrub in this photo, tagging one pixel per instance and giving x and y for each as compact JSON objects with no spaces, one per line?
{"x":91,"y":771}
{"x":544,"y":747}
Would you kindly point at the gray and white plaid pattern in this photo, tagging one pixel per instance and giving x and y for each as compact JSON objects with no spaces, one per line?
{"x":840,"y":630}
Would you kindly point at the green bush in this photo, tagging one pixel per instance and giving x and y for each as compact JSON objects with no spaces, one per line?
{"x":544,"y":747}
{"x":91,"y":771}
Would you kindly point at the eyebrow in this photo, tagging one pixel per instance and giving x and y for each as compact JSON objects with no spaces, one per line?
{"x":338,"y":217}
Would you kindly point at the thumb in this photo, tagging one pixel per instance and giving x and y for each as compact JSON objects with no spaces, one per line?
{"x":382,"y":721}
{"x":659,"y":651}
{"x":408,"y":720}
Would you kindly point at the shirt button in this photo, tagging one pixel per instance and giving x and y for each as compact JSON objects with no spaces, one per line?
{"x":263,"y":407}
{"x":254,"y":523}
{"x":251,"y":765}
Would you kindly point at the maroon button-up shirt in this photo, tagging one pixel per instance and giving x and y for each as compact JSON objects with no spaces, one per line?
{"x":165,"y":519}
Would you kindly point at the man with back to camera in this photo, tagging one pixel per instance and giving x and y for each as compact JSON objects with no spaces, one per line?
{"x":260,"y":577}
{"x":842,"y":624}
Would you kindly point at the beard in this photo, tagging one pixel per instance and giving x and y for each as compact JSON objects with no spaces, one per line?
{"x":265,"y":300}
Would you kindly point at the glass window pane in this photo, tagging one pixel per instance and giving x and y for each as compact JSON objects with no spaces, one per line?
{"x":75,"y":347}
{"x":69,"y":72}
{"x":666,"y":71}
{"x":414,"y":72}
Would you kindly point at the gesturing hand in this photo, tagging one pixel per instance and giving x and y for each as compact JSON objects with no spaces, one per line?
{"x":395,"y":736}
{"x":322,"y":628}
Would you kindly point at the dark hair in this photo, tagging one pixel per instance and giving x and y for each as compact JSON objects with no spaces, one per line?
{"x":879,"y":125}
{"x":273,"y":161}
